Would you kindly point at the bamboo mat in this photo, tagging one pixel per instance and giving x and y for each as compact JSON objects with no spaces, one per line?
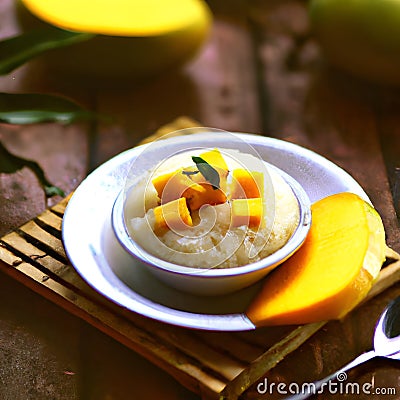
{"x":215,"y":365}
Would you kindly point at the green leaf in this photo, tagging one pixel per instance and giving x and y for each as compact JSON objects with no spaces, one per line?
{"x":189,"y":173}
{"x":17,"y":50}
{"x":9,"y":163}
{"x":30,"y":108}
{"x":53,"y":191}
{"x":209,"y":173}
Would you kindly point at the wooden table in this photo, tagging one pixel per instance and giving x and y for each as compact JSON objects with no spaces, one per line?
{"x":260,"y":71}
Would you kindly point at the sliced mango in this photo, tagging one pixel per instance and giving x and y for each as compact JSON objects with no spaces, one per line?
{"x":247,"y":212}
{"x":172,"y":185}
{"x":209,"y":195}
{"x":246,"y":184}
{"x":172,"y":215}
{"x":333,"y":270}
{"x":216,"y":160}
{"x":159,"y":182}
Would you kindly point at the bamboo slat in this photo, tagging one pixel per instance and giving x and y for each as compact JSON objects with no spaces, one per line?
{"x":216,"y":365}
{"x":212,"y":364}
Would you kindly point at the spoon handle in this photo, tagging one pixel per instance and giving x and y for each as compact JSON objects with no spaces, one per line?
{"x":323,"y":385}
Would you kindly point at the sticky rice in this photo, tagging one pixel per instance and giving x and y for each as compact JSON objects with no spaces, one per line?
{"x":212,"y":242}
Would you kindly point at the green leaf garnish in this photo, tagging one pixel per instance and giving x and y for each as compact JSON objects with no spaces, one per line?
{"x":189,"y":173}
{"x":9,"y":163}
{"x":30,"y":108}
{"x":209,"y":173}
{"x":17,"y":50}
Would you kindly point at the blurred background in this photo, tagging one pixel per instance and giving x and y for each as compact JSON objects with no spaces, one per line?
{"x":322,"y":74}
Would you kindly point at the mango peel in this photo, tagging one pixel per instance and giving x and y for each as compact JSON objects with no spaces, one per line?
{"x":333,"y":270}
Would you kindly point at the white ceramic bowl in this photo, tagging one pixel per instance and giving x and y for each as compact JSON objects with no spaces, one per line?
{"x":215,"y":281}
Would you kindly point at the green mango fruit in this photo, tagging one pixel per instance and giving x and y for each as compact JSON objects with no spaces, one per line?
{"x":361,"y":37}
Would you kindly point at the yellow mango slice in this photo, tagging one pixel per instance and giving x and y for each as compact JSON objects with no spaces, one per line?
{"x":172,"y":215}
{"x":246,"y":184}
{"x":172,"y":185}
{"x":209,"y":195}
{"x":199,"y":179}
{"x":247,"y":212}
{"x":159,"y":182}
{"x":216,"y":160}
{"x":333,"y":270}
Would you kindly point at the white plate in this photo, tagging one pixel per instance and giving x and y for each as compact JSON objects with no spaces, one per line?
{"x":98,"y":257}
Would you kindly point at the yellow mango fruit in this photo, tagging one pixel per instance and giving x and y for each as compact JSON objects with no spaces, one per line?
{"x":217,"y":161}
{"x":217,"y":194}
{"x":160,"y":181}
{"x":246,"y":184}
{"x":333,"y":270}
{"x":172,"y":185}
{"x":172,"y":215}
{"x":135,"y":39}
{"x":209,"y":195}
{"x":247,"y":212}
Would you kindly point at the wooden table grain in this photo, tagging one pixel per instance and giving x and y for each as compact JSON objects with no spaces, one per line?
{"x":260,"y":71}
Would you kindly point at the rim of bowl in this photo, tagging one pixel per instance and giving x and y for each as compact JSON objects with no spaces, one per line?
{"x":274,"y":259}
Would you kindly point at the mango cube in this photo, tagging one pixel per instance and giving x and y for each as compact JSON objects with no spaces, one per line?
{"x":192,"y":185}
{"x":159,"y":182}
{"x":216,"y":160}
{"x":174,"y":215}
{"x":247,"y":212}
{"x":173,"y":185}
{"x":208,"y":196}
{"x":246,"y":184}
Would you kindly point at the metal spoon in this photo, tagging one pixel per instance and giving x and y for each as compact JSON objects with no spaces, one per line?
{"x":386,"y":344}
